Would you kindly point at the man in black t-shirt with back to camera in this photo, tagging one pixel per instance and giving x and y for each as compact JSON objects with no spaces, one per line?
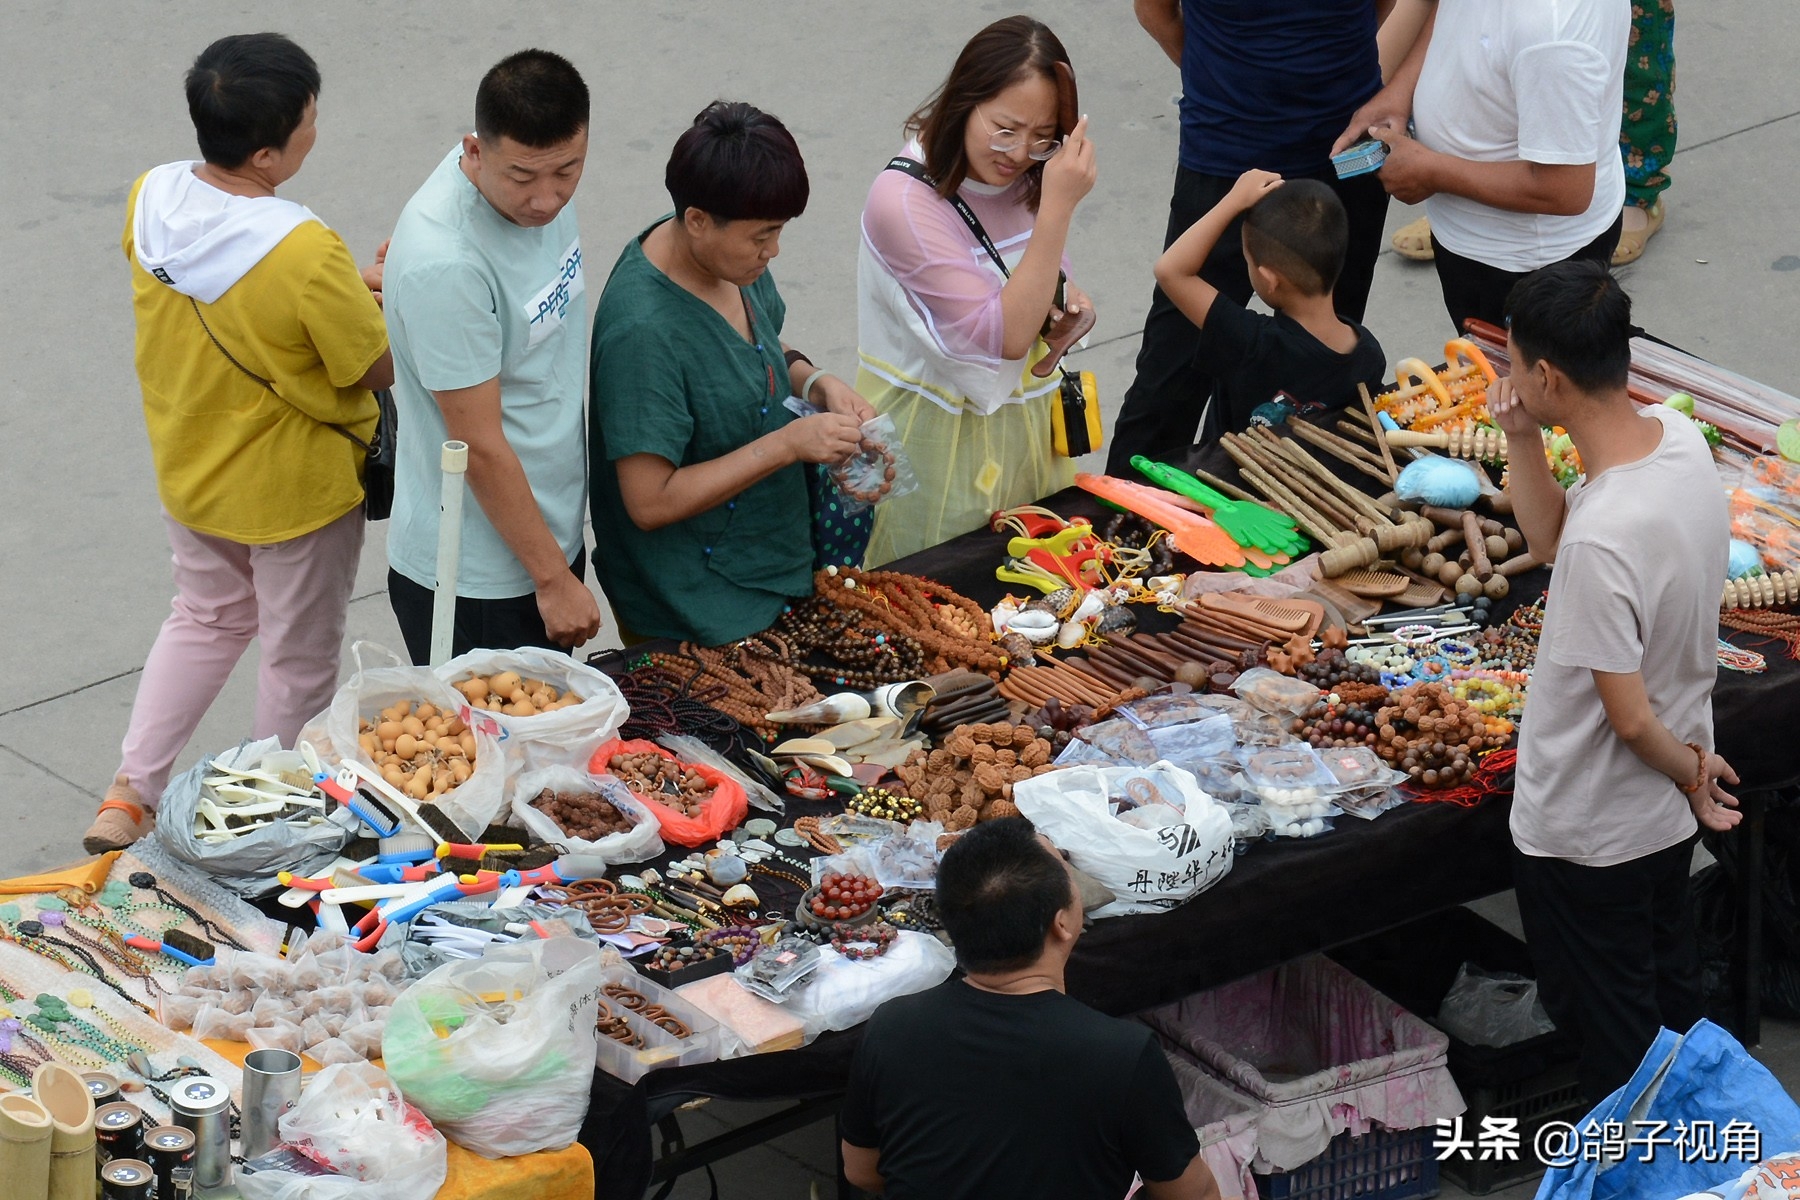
{"x":998,"y":1084}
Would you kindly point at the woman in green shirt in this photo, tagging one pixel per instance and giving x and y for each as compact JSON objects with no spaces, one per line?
{"x":701,"y":517}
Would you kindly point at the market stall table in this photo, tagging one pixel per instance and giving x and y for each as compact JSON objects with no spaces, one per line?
{"x":1281,"y":901}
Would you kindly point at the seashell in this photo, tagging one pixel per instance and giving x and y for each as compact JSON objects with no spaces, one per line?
{"x":1035,"y":625}
{"x":740,"y":895}
{"x":1117,"y":620}
{"x":1018,"y":647}
{"x":1071,"y":634}
{"x":832,"y":710}
{"x":1092,"y":605}
{"x":797,"y":746}
{"x":1002,"y":615}
{"x":725,"y":870}
{"x":1062,"y":600}
{"x":831,"y":764}
{"x":855,"y":733}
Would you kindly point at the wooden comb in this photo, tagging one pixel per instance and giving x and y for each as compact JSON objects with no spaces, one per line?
{"x":1285,"y":617}
{"x":1376,"y":585}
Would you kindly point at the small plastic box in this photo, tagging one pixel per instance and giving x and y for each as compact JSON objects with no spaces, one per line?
{"x":661,"y":1048}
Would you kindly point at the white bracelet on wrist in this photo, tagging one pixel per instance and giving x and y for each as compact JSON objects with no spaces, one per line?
{"x":811,"y":380}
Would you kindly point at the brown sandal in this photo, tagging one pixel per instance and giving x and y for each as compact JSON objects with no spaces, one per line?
{"x":122,"y":820}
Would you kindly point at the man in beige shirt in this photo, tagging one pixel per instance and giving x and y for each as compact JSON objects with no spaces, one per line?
{"x":1615,"y":763}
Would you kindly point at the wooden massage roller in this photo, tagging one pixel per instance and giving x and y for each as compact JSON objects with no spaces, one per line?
{"x":1762,"y":591}
{"x":1481,"y":442}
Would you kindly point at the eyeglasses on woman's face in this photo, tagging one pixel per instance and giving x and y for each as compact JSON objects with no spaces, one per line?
{"x":1005,"y":141}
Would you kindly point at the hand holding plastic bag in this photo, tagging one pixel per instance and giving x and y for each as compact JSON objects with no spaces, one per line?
{"x":353,"y":1119}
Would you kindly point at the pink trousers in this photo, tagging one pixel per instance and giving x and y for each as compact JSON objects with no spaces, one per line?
{"x":293,"y":595}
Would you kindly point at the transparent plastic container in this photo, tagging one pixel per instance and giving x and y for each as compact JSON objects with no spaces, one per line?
{"x":661,"y":1048}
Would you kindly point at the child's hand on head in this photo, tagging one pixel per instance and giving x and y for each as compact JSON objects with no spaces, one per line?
{"x":1252,"y":186}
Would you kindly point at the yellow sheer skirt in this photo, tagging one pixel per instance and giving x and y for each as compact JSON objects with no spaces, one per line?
{"x":968,"y":466}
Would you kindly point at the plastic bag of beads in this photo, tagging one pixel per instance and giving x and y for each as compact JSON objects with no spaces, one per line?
{"x":214,"y":1023}
{"x":335,"y":1050}
{"x":316,"y":1028}
{"x":1286,"y":824}
{"x":1368,"y":802}
{"x":879,"y":470}
{"x":1153,"y":712}
{"x":1272,"y":692}
{"x":277,"y":1035}
{"x":235,"y":1003}
{"x":1120,"y":740}
{"x":364,"y":1038}
{"x":308,"y":973}
{"x":178,"y":1011}
{"x":388,"y":964}
{"x":247,"y":971}
{"x":271,"y":1008}
{"x":1290,"y":778}
{"x":910,"y":859}
{"x":1203,"y":739}
{"x":688,"y":816}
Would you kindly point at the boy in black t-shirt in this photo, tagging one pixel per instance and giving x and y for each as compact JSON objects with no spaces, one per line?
{"x":1294,"y":238}
{"x":998,"y":1084}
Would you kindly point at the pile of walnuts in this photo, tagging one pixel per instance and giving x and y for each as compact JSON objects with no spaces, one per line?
{"x":969,"y":777}
{"x":585,"y":815}
{"x":1432,"y":735}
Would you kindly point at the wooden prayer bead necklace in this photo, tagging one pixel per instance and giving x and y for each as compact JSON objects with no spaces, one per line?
{"x":951,"y":628}
{"x":750,"y":686}
{"x":859,"y":658}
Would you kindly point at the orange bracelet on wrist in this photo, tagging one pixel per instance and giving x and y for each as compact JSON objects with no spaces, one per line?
{"x":1701,"y":782}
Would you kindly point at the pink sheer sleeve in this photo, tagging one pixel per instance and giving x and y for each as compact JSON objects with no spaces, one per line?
{"x":921,"y":241}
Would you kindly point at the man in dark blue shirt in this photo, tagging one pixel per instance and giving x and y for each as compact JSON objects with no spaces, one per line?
{"x":1263,"y":86}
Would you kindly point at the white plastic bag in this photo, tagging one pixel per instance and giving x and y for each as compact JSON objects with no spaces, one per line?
{"x":844,"y":992}
{"x":1492,"y":1008}
{"x":499,"y":1051}
{"x":383,"y":678}
{"x":352,"y":1118}
{"x":565,"y":737}
{"x":1148,"y":869}
{"x":643,"y":841}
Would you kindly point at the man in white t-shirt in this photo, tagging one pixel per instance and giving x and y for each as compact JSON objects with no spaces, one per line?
{"x":1516,"y":107}
{"x":1615,"y":767}
{"x":487,"y":311}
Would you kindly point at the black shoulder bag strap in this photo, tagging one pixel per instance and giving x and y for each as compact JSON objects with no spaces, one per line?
{"x":915,"y":168}
{"x":232,"y":359}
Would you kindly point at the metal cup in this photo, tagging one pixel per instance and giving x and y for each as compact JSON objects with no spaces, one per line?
{"x":271,"y":1087}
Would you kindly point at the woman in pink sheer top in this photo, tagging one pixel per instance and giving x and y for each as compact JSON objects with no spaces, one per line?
{"x":946,"y":336}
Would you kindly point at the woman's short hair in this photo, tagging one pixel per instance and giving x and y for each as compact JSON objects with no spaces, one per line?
{"x":246,"y":92}
{"x":1009,"y":50}
{"x":535,"y":98}
{"x":998,"y":891}
{"x":737,"y":162}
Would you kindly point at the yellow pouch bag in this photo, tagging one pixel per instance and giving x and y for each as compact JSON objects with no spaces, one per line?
{"x":1075,"y":417}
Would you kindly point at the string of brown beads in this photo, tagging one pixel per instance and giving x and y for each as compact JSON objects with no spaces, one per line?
{"x":1426,"y":731}
{"x":952,"y":629}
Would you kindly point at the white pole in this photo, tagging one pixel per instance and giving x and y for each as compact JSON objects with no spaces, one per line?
{"x":453,"y":462}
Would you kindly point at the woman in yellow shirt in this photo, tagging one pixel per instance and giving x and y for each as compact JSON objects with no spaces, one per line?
{"x":257,"y":343}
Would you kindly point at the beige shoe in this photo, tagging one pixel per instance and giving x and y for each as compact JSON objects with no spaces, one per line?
{"x":123,"y":820}
{"x":1633,"y":241}
{"x":1414,"y":241}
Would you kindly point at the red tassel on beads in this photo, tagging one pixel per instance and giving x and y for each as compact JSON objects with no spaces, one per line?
{"x":1492,"y":778}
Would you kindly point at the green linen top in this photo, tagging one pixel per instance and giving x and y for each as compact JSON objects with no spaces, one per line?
{"x":669,"y":376}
